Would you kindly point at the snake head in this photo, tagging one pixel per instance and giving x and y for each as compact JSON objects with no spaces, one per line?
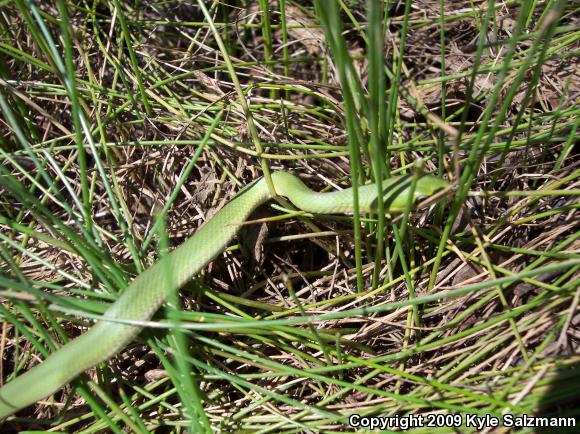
{"x":397,"y":191}
{"x":428,"y":185}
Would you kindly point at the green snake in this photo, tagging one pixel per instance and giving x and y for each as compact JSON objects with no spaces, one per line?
{"x":148,"y":290}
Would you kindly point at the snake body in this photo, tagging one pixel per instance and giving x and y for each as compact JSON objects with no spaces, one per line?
{"x":141,"y":299}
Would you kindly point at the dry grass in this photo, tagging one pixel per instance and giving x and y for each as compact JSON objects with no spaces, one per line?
{"x":501,"y":346}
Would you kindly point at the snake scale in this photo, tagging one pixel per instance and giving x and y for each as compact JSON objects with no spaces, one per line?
{"x":141,"y":299}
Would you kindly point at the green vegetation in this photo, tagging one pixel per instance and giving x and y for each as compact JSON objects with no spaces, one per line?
{"x":126,"y":125}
